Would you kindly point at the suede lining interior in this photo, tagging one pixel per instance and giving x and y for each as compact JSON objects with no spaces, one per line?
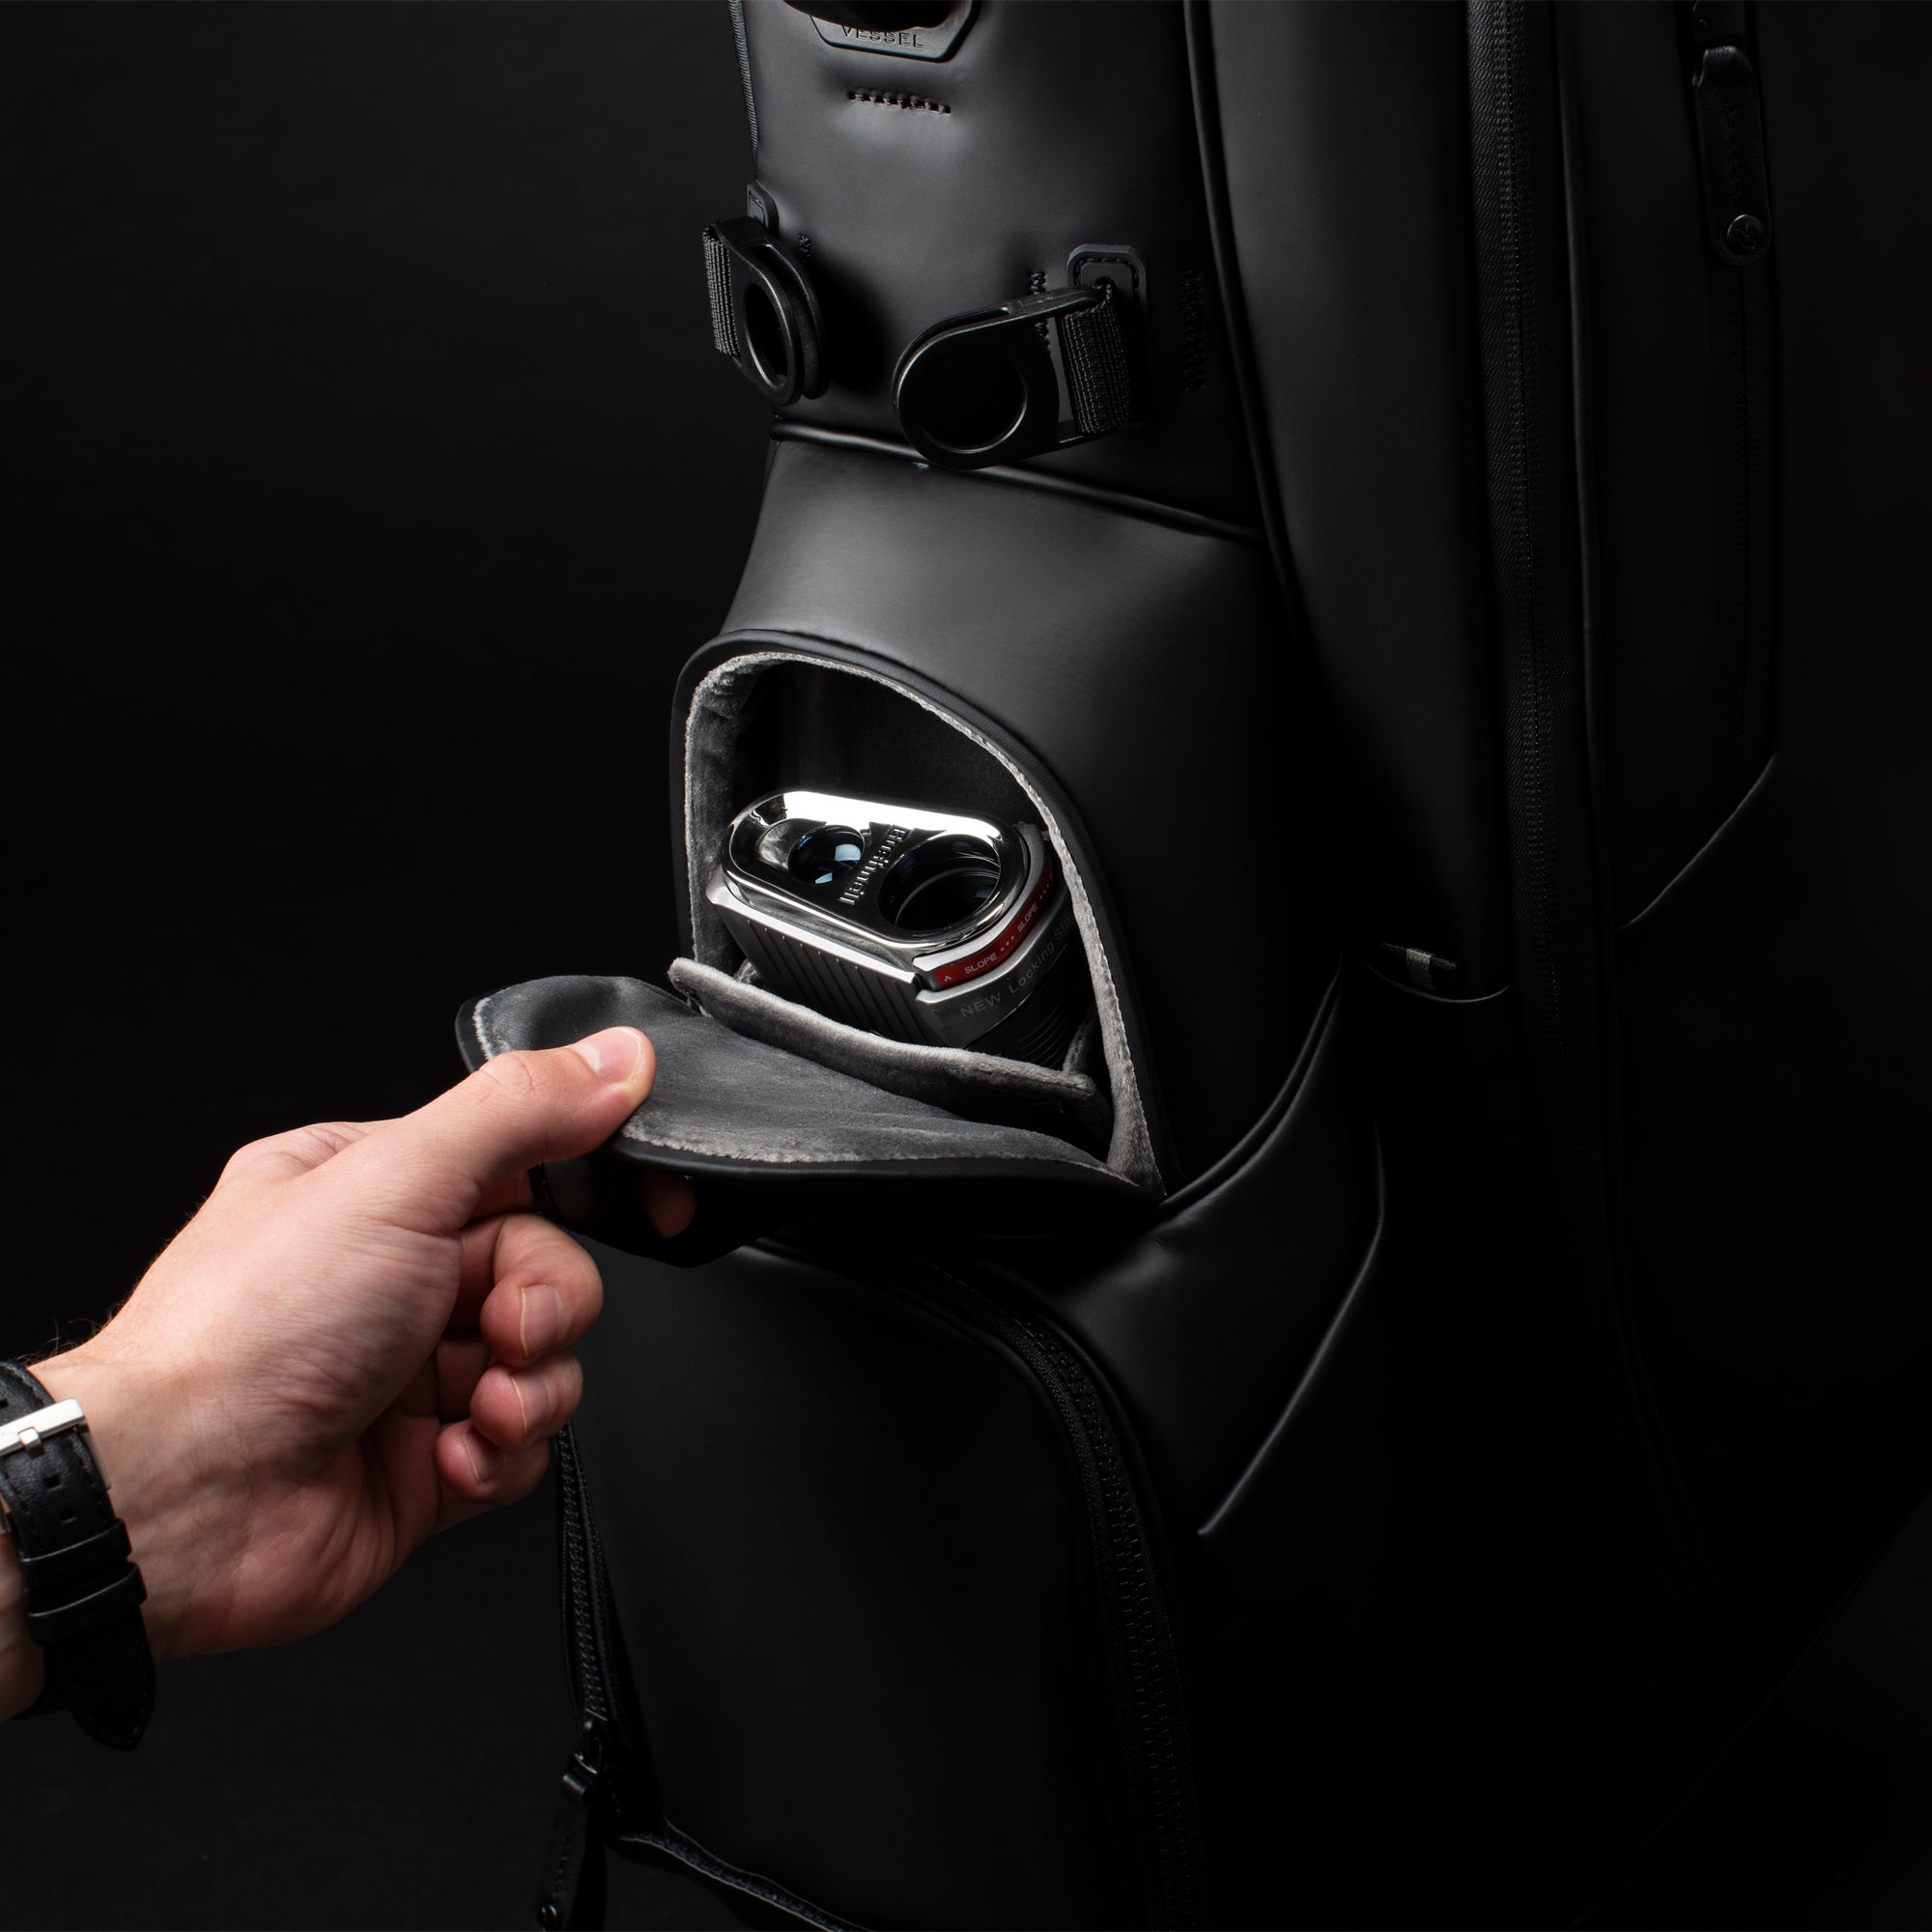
{"x":980,"y":1085}
{"x":725,"y":1096}
{"x":721,"y":777}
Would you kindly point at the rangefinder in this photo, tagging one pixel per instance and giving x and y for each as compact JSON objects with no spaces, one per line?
{"x":925,"y":925}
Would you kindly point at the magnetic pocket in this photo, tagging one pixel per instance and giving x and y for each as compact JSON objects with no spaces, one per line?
{"x":768,"y":1134}
{"x":777,"y":1109}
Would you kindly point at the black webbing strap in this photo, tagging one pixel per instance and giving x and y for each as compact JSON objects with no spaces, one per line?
{"x":1099,"y":370}
{"x":717,"y":285}
{"x":1095,"y":360}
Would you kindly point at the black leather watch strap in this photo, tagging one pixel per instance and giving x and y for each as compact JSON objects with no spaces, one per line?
{"x":83,"y":1591}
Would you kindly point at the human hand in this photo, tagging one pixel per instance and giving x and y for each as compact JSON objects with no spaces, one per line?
{"x":362,"y":1337}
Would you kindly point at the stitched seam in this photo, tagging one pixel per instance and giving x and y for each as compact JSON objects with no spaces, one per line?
{"x":1002,"y":1076}
{"x":867,"y":97}
{"x":686,"y":1849}
{"x":1083,"y":911}
{"x":1038,"y":483}
{"x":1326,"y":1345}
{"x":794,"y":1158}
{"x":1193,"y":330}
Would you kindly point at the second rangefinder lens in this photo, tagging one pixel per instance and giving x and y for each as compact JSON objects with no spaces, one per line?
{"x":823,"y":857}
{"x":942,"y":883}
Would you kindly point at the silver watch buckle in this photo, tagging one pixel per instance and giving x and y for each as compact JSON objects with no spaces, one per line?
{"x":32,"y":1430}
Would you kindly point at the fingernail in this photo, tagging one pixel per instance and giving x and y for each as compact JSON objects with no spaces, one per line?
{"x":613,"y":1054}
{"x":485,"y":1457}
{"x":539,"y":1319}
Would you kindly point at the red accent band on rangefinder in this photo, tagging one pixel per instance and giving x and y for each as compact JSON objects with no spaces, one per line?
{"x":1001,"y":948}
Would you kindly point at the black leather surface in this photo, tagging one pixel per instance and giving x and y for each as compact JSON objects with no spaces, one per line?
{"x":1054,"y":127}
{"x":1653,"y":371}
{"x":1206,"y":1326}
{"x":1446,"y":1663}
{"x":768,"y":1136}
{"x":849,"y":1575}
{"x":1142,"y":667}
{"x":1774,"y":1024}
{"x":1342,"y":136}
{"x":1773,"y":1137}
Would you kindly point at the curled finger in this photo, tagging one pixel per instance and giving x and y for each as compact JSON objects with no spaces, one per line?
{"x":475,"y":1475}
{"x":515,"y":1407}
{"x":527,"y":1286}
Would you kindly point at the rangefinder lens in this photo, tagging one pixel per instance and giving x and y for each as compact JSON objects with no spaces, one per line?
{"x":824,"y":856}
{"x":941,"y":883}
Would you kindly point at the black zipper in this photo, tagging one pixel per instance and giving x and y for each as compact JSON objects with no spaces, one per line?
{"x":1729,"y":131}
{"x":572,"y":1891}
{"x":610,"y":1790}
{"x":1145,"y":1692}
{"x":1526,"y":273}
{"x":586,"y":1614}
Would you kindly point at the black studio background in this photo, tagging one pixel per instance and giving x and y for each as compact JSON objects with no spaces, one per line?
{"x":367,"y":475}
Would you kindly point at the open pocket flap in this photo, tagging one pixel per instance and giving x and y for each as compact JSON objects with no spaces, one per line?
{"x":779,"y":1128}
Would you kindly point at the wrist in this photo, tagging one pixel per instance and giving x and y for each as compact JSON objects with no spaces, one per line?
{"x":141,"y":1420}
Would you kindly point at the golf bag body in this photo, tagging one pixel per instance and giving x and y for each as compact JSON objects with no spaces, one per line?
{"x":1417,"y":506}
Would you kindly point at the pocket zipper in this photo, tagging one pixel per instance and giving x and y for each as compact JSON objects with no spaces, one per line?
{"x":1729,"y":128}
{"x":1145,"y":1692}
{"x":609,"y":1789}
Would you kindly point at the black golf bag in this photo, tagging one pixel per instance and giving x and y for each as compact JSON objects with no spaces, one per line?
{"x":1417,"y":506}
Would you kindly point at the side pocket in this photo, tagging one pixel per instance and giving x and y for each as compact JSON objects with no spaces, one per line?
{"x":609,"y":1789}
{"x":918,"y":1519}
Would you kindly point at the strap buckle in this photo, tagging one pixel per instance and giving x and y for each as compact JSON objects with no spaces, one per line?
{"x":1043,"y":372}
{"x":32,"y":1430}
{"x":764,"y":312}
{"x":29,"y":1433}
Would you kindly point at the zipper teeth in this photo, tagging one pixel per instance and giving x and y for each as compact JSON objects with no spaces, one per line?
{"x":1149,"y":1652}
{"x":583,"y":1637}
{"x":1142,"y":1667}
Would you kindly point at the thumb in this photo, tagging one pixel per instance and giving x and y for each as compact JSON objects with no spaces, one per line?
{"x":513,"y":1112}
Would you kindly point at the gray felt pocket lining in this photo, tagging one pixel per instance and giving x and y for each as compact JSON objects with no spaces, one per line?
{"x":713,"y":780}
{"x":724,"y":1102}
{"x":979,"y":1086}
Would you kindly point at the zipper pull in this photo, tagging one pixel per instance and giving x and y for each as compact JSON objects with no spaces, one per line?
{"x":572,"y":1881}
{"x":1730,"y":141}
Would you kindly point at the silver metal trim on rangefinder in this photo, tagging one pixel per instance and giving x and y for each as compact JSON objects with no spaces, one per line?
{"x":923,"y":926}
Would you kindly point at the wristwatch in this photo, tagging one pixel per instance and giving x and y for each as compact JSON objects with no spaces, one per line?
{"x":84,"y":1592}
